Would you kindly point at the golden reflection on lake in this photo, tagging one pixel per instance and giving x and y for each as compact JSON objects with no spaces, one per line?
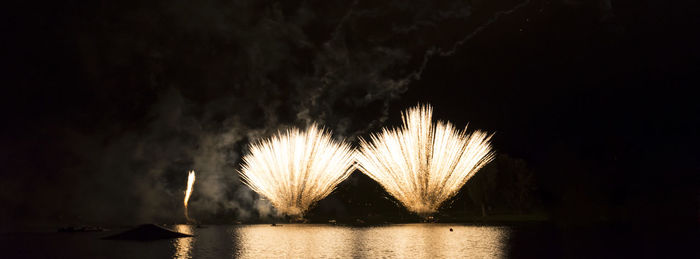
{"x":394,"y":241}
{"x":183,"y":245}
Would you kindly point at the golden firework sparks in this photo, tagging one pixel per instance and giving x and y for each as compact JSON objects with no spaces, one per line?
{"x":422,"y":164}
{"x":295,"y":169}
{"x":188,"y":193}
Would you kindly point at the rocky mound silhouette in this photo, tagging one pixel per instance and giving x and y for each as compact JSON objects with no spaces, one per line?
{"x":147,"y":232}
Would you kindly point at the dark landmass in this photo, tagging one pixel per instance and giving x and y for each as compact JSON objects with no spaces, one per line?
{"x":72,"y":229}
{"x":147,"y":232}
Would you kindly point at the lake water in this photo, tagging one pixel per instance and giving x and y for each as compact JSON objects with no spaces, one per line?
{"x":390,"y":241}
{"x":284,"y":241}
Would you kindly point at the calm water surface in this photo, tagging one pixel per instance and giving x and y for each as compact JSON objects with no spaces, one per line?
{"x":265,"y":241}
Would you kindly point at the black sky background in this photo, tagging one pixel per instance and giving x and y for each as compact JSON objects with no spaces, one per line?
{"x":108,"y":104}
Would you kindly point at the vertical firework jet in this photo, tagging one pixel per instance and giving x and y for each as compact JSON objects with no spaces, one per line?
{"x":422,"y":164}
{"x":188,"y":193}
{"x":297,"y":168}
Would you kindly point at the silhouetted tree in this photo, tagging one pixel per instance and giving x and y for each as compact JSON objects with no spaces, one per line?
{"x":506,"y":185}
{"x":518,"y":183}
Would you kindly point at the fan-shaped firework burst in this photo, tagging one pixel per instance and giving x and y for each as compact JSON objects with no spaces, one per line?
{"x":296,"y":169}
{"x":422,"y":164}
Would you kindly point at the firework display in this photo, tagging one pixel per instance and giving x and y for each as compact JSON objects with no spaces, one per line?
{"x":295,"y":169}
{"x":188,"y":193}
{"x":422,"y":163}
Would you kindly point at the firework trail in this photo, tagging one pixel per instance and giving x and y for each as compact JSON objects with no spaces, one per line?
{"x":295,"y":169}
{"x":422,"y":164}
{"x":188,"y":193}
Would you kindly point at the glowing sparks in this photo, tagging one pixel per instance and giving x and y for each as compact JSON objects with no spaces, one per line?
{"x":422,"y":164}
{"x":188,"y":193}
{"x":295,"y":169}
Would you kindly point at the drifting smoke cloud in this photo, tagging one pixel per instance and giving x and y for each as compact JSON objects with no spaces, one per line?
{"x":215,"y":76}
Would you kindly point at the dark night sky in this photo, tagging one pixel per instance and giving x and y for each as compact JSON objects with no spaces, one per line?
{"x":108,"y":104}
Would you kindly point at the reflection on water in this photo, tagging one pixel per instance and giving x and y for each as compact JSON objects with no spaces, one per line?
{"x":183,"y":246}
{"x":393,"y":241}
{"x":294,"y":241}
{"x":265,"y":241}
{"x":396,"y":241}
